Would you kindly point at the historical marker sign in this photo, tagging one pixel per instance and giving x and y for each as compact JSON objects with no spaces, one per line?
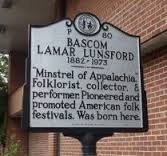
{"x":84,"y":74}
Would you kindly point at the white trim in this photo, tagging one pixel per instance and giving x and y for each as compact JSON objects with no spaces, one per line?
{"x":154,"y":43}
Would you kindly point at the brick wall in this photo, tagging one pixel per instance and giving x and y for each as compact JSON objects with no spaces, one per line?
{"x":52,"y":144}
{"x":38,"y":144}
{"x":16,"y":71}
{"x":69,"y":146}
{"x":146,"y":18}
{"x":154,"y":142}
{"x":16,"y":134}
{"x":42,"y":144}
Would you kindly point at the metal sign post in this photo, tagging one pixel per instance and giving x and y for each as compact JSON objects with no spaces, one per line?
{"x":86,"y":77}
{"x":88,"y":141}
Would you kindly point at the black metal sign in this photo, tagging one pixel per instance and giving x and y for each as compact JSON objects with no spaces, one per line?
{"x":84,"y":75}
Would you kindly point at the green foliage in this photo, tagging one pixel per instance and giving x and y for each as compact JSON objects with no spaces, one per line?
{"x":13,"y":147}
{"x":3,"y":95}
{"x":2,"y":137}
{"x":3,"y":73}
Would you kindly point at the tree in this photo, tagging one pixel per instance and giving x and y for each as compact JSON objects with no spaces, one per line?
{"x":3,"y":73}
{"x":3,"y":95}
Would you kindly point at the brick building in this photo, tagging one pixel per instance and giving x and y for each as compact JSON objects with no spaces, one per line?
{"x":146,"y":18}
